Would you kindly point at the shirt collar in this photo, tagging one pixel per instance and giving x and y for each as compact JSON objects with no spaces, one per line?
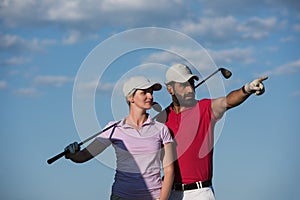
{"x":149,"y":121}
{"x":186,"y":109}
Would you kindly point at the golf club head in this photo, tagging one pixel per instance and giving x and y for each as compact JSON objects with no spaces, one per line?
{"x":226,"y":73}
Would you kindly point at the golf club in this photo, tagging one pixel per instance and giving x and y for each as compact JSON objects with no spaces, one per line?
{"x":226,"y":74}
{"x":155,"y":106}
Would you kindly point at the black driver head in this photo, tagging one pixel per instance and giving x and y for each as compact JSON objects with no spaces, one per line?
{"x":226,"y":73}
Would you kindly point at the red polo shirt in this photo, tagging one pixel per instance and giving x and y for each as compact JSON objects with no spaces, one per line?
{"x":193,"y":130}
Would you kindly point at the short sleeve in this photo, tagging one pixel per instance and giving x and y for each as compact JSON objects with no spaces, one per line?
{"x":104,"y":137}
{"x":166,"y":135}
{"x":205,"y":106}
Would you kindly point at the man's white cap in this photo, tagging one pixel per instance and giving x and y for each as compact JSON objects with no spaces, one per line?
{"x":139,"y":82}
{"x":179,"y":73}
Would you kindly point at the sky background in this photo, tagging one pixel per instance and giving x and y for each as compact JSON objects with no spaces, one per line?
{"x":45,"y":43}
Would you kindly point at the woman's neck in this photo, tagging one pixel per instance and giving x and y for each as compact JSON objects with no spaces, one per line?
{"x":136,"y":119}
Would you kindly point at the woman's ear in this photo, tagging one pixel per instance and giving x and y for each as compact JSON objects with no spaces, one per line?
{"x":130,"y":99}
{"x":170,"y":89}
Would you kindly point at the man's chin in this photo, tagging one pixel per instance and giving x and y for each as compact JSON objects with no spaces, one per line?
{"x":189,"y":102}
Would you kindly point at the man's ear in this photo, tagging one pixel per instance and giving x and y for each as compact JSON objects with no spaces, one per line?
{"x":170,"y":89}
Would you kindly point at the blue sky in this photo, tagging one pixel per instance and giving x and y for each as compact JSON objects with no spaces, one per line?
{"x":44,"y":45}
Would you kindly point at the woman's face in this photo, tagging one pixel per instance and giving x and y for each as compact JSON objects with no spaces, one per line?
{"x":143,"y":98}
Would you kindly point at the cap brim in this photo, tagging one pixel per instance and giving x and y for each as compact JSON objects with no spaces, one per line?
{"x":155,"y":86}
{"x":194,"y":77}
{"x":184,"y":79}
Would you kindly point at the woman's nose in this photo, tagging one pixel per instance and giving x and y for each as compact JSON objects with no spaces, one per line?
{"x":149,"y":95}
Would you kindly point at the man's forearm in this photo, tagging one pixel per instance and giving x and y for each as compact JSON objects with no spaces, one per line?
{"x":236,"y":97}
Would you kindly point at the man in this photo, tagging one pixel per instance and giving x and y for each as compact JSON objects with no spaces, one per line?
{"x":191,"y":123}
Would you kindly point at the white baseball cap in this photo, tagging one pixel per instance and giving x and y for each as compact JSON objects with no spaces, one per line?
{"x":179,"y":73}
{"x":139,"y":82}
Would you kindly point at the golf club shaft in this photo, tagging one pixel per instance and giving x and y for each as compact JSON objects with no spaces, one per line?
{"x":207,"y":78}
{"x":58,"y":156}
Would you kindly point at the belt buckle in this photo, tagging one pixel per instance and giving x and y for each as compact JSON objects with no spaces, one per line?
{"x":182,"y":187}
{"x":199,"y":184}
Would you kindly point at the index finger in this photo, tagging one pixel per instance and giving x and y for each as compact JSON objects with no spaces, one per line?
{"x":263,"y":78}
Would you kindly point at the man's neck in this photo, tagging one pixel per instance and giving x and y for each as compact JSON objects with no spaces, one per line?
{"x":177,"y":108}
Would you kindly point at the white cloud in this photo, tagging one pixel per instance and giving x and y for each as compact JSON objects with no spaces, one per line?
{"x":3,"y":84}
{"x":296,"y":94}
{"x":16,"y":44}
{"x":66,"y":11}
{"x":230,"y":28}
{"x":257,"y":28}
{"x":246,"y":7}
{"x":292,"y":4}
{"x":119,"y":5}
{"x":76,"y":36}
{"x":229,"y":56}
{"x":288,"y":68}
{"x":29,"y":92}
{"x":288,"y":39}
{"x":105,"y":87}
{"x":296,"y":28}
{"x":82,"y":19}
{"x":85,"y":89}
{"x":90,"y":13}
{"x":199,"y":58}
{"x":220,"y":28}
{"x":204,"y":59}
{"x":100,"y":87}
{"x":14,"y":61}
{"x":161,"y":57}
{"x":56,"y":81}
{"x":72,"y":38}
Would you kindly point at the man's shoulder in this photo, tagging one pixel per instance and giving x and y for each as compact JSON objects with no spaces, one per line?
{"x":204,"y":101}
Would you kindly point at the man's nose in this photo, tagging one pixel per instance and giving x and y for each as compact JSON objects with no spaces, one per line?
{"x":189,"y":88}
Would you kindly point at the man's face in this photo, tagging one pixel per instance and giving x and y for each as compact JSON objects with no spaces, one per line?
{"x":185,"y":93}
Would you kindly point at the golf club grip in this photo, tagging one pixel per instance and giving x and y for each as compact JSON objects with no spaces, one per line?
{"x":54,"y":158}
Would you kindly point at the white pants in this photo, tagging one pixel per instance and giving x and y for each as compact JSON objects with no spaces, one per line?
{"x":196,"y":194}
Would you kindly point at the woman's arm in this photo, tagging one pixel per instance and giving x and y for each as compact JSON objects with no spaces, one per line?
{"x":92,"y":150}
{"x":168,"y":171}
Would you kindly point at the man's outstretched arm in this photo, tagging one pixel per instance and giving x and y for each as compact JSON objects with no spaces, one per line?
{"x":236,"y":97}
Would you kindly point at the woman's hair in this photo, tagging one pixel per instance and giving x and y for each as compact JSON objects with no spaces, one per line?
{"x":131,"y":94}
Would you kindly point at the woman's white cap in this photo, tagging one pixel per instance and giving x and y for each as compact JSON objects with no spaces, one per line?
{"x":139,"y":82}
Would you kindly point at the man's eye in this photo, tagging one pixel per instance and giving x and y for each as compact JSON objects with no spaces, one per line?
{"x":185,"y":84}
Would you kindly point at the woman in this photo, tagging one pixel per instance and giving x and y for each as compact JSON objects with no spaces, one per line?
{"x":140,"y":144}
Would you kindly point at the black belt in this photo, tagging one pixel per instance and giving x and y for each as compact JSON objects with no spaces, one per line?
{"x":192,"y":186}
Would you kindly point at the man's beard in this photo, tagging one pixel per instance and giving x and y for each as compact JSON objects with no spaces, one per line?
{"x":187,"y":100}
